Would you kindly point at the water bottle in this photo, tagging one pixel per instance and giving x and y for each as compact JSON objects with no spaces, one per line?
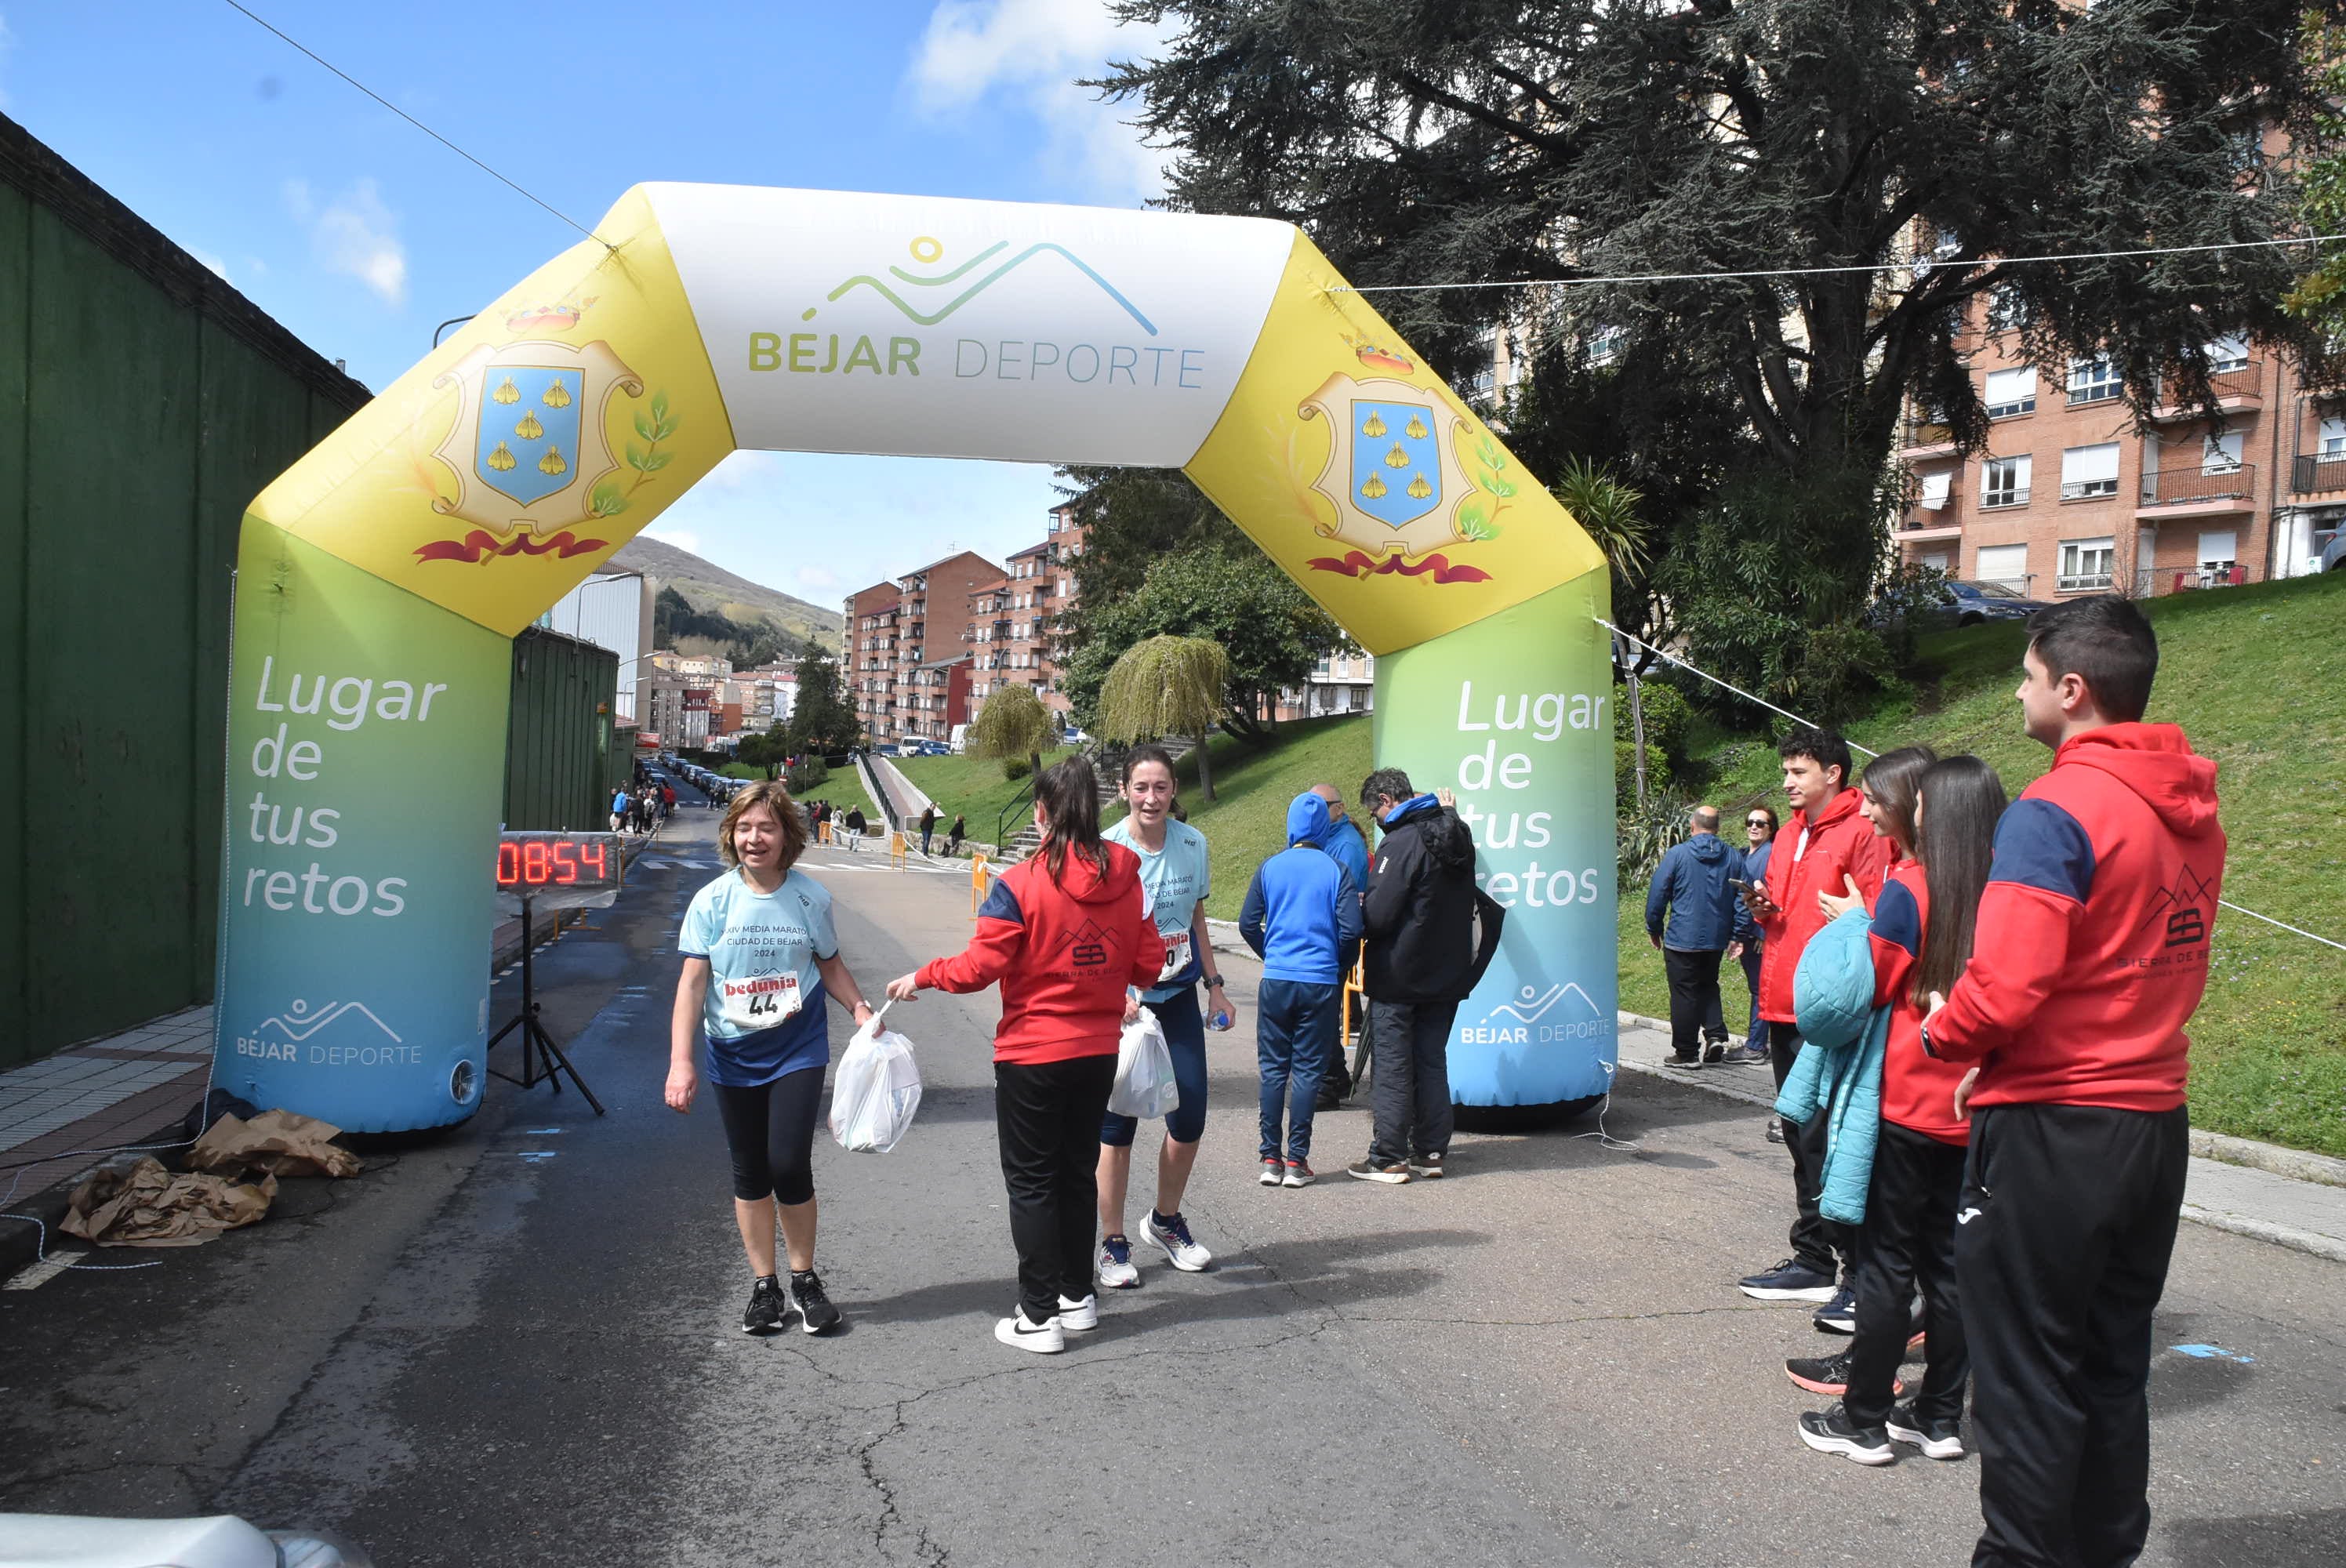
{"x":1219,"y":1020}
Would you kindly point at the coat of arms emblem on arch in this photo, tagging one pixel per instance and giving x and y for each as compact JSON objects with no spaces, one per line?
{"x":1393,"y":473}
{"x":528,"y":446}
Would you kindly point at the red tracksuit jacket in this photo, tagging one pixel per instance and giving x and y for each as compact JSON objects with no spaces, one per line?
{"x":1918,"y":1091}
{"x":2092,"y":951}
{"x":1063,"y":951}
{"x":1840,"y":844}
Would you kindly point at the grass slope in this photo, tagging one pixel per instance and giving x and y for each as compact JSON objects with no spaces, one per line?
{"x":843,"y":788}
{"x":2256,"y":677}
{"x":709,"y":587}
{"x":973,"y":785}
{"x":1246,"y":819}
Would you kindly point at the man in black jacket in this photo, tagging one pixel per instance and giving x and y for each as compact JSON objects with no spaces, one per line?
{"x":1422,"y":960}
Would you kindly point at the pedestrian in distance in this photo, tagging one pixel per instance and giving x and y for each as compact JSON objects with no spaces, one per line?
{"x":1302,"y":918}
{"x":761,"y":961}
{"x":928,"y":825}
{"x":1920,"y":929}
{"x":618,"y":809}
{"x":1691,"y":910}
{"x":1176,"y":876}
{"x":2091,"y":956}
{"x":1759,"y":843}
{"x":1342,"y":839}
{"x":1421,"y":959}
{"x":667,"y":800}
{"x":1831,"y":843}
{"x":1064,"y":933}
{"x":955,"y":834}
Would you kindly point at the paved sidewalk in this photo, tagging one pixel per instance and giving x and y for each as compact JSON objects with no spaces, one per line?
{"x":2310,"y":1216}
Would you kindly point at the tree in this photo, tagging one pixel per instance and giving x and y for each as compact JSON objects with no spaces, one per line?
{"x":1679,"y":140}
{"x":822,"y":723}
{"x":2320,"y":296}
{"x":1011,"y":724}
{"x":1166,"y":685}
{"x":769,"y":750}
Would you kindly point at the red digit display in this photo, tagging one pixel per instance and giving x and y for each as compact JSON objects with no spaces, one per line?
{"x":508,"y":864}
{"x":592,"y":855}
{"x":572,"y":871}
{"x":565,"y":860}
{"x":532,"y":862}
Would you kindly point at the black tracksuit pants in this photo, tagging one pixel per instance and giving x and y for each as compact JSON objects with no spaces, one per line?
{"x":1908,"y":1240}
{"x":2062,"y":1241}
{"x":1697,"y":1014}
{"x":1822,"y":1244}
{"x":1047,"y":1115}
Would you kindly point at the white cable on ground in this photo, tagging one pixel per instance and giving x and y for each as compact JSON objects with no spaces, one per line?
{"x":1853,"y":746}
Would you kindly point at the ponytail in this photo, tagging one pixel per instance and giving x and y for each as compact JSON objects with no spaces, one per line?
{"x":1962,"y":799}
{"x":1068,"y":793}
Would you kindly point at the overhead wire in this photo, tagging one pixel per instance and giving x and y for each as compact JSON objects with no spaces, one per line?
{"x":294,"y":43}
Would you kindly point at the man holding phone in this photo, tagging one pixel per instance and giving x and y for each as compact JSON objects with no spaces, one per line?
{"x":1830,"y":842}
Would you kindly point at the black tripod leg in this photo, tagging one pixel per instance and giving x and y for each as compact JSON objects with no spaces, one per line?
{"x":558,"y":1063}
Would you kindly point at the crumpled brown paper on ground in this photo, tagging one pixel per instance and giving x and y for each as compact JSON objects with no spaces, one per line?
{"x":277,"y":1141}
{"x":143,"y":1204}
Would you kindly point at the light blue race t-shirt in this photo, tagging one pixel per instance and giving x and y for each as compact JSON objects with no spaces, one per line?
{"x":764,"y":1016}
{"x":1172,"y":880}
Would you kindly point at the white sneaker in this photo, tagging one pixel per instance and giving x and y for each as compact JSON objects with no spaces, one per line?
{"x":1044,"y":1339}
{"x":1117,"y":1269}
{"x":1181,"y":1248}
{"x":1079,"y":1317}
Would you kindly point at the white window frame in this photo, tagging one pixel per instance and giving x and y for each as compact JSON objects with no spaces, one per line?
{"x":2086,"y":565}
{"x":2332,"y":437}
{"x":2223,"y":454}
{"x":2017,"y":472}
{"x":2019,"y":390}
{"x":2226,"y":355}
{"x":2081,"y":471}
{"x":1986,"y":556}
{"x":2093,"y":380}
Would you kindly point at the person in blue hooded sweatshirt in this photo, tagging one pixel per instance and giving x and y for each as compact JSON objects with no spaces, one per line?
{"x":1342,"y":840}
{"x":1302,"y":918}
{"x":1695,"y":887}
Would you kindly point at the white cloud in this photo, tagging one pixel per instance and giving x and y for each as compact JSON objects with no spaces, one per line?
{"x":682,"y":538}
{"x":354,"y":234}
{"x":1030,"y":53}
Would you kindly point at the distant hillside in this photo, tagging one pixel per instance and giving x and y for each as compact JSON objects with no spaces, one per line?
{"x":711,"y":587}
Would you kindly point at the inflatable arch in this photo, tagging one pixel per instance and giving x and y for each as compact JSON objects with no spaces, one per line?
{"x":380,"y":579}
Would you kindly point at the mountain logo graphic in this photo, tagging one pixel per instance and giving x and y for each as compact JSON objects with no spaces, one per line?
{"x":2185,"y":908}
{"x":301,"y":1021}
{"x":1086,"y":946}
{"x":1530,"y":1006}
{"x":929,"y":251}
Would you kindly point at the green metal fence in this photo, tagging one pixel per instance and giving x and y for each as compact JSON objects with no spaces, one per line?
{"x":558,"y":735}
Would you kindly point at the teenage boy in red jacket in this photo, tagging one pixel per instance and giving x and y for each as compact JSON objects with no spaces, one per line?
{"x":1826,"y":843}
{"x":2091,"y":955}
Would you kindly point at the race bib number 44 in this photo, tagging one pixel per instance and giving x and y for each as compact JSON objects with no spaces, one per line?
{"x":1177,"y":954}
{"x":761,"y":1001}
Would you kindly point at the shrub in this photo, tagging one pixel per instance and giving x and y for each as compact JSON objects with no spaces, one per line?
{"x":1014,"y":767}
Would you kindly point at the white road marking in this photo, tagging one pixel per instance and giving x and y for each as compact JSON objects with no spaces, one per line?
{"x":34,"y":1275}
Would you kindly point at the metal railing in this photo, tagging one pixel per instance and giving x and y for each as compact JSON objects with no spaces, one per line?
{"x":2318,"y":472}
{"x":2169,"y":487}
{"x":1995,"y":499}
{"x":1928,"y":432}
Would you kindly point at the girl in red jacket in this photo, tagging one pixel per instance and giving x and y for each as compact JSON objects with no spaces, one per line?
{"x":1063,"y":934}
{"x":1945,"y":825}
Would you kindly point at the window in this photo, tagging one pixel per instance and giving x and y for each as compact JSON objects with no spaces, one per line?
{"x":1936,"y":487}
{"x":2334,"y":438}
{"x":1933,"y":563}
{"x":2221,"y":453}
{"x":2092,"y":381}
{"x":2220,"y":550}
{"x":2226,"y":354}
{"x":2085,"y":563}
{"x":2006,"y":564}
{"x":1605,"y":345}
{"x":2006,"y":311}
{"x":2011,"y":392}
{"x":2089,"y":471}
{"x":2003,"y":482}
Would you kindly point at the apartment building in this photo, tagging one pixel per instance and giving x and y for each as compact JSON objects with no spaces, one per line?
{"x":1015,"y":621}
{"x":1339,"y":683}
{"x":867,"y":654}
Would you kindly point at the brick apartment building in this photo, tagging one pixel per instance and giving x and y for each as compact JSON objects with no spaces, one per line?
{"x":2071,"y":498}
{"x":1339,"y":683}
{"x":1013,"y":621}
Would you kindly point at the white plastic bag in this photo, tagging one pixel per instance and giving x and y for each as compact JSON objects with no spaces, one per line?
{"x":877,"y":1090}
{"x":1144,"y":1072}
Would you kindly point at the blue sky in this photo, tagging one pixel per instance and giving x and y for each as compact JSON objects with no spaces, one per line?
{"x":361,"y":234}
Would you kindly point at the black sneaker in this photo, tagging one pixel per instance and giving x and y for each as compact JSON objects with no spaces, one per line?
{"x":1790,"y":1280}
{"x":814,"y":1308}
{"x":1937,"y":1439}
{"x":1837,"y":1316}
{"x":1829,"y":1431}
{"x":1828,"y":1375}
{"x":767,"y":1308}
{"x":1683,"y":1063}
{"x":1392,"y":1172}
{"x":1715,"y":1054}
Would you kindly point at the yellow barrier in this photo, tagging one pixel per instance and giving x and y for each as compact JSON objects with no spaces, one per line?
{"x":823,"y":833}
{"x":897,"y":851}
{"x":978,"y":871}
{"x":1355,"y":984}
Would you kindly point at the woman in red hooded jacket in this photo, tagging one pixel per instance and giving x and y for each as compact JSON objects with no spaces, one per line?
{"x":1064,"y":932}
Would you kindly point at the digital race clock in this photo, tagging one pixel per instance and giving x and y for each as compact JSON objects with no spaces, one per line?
{"x":559,"y":871}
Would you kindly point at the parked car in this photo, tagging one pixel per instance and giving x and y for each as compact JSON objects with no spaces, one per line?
{"x":2333,"y":553}
{"x":1970,"y":603}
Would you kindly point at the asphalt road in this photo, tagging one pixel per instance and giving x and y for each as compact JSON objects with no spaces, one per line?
{"x":518,"y":1342}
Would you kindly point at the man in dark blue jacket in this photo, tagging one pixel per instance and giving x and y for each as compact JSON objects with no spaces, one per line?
{"x":1302,"y":918}
{"x":1695,"y":884}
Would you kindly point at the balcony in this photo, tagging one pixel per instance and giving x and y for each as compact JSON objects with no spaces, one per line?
{"x":2200,"y":491}
{"x":2312,"y":476}
{"x":2001,"y":500}
{"x":2238,"y":391}
{"x":1926,"y":439}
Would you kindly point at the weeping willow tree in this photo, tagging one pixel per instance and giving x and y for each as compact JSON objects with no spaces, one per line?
{"x":1166,"y":685}
{"x":1013,"y":723}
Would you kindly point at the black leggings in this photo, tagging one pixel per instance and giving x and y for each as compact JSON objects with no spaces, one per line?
{"x":770,"y":1130}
